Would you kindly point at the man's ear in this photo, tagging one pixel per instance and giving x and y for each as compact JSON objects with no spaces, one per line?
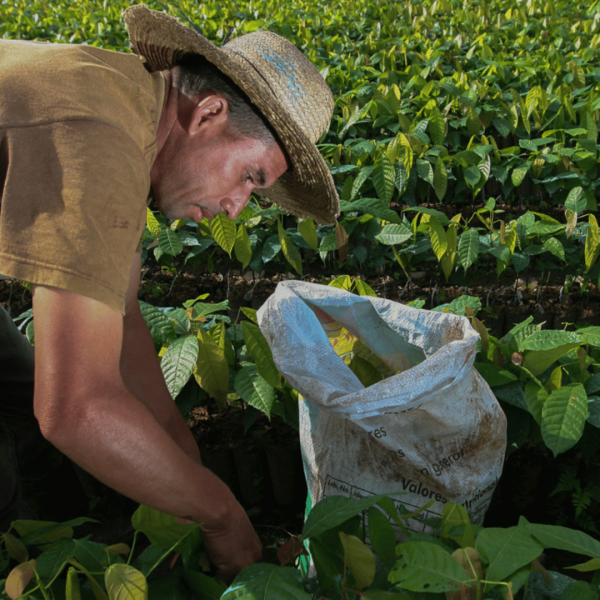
{"x":208,"y":112}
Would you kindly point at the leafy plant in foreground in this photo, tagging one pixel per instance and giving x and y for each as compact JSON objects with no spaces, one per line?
{"x":352,"y":560}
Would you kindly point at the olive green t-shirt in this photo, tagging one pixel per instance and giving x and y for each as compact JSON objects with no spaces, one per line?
{"x":77,"y":142}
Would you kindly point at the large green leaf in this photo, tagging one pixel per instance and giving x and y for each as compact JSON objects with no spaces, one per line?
{"x":178,"y":363}
{"x":254,"y":390}
{"x":382,"y":535}
{"x":426,"y":567}
{"x":393,"y":234}
{"x":506,"y":550}
{"x":163,"y":530}
{"x":261,"y":354}
{"x":124,"y":582}
{"x":224,"y":231}
{"x":437,"y":235}
{"x":290,"y":250}
{"x":308,"y":232}
{"x":384,"y":178}
{"x":555,"y":247}
{"x":563,"y":417}
{"x":267,"y":582}
{"x":203,"y":586}
{"x":440,"y":179}
{"x":538,"y":361}
{"x":468,"y":248}
{"x":169,"y":242}
{"x":548,"y":340}
{"x":562,"y":538}
{"x":437,"y":127}
{"x":212,"y":369}
{"x":576,"y":200}
{"x":242,"y":246}
{"x":333,"y":511}
{"x":152,"y":223}
{"x":161,"y":327}
{"x":360,"y":560}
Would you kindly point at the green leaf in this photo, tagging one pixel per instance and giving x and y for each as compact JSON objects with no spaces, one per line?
{"x":518,"y":175}
{"x":590,"y":335}
{"x":576,"y":200}
{"x":224,"y":231}
{"x":592,"y":243}
{"x":212,"y":369}
{"x":254,"y":390}
{"x":261,"y":354}
{"x":359,"y":559}
{"x":440,"y":179}
{"x":437,"y":127}
{"x":437,"y":235}
{"x":333,"y":511}
{"x":382,"y":535}
{"x":548,"y":339}
{"x":203,"y":586}
{"x":365,"y":371}
{"x":163,"y":530}
{"x":506,"y":550}
{"x":362,"y":176}
{"x":15,"y":548}
{"x":267,"y":582}
{"x":426,"y":567}
{"x":124,"y":582}
{"x":393,"y":234}
{"x":309,"y":233}
{"x":538,"y":361}
{"x":455,"y":516}
{"x":494,"y":375}
{"x":384,"y":178}
{"x":53,"y":561}
{"x":242,"y":246}
{"x":562,"y":538}
{"x":555,"y":248}
{"x":472,"y":176}
{"x":290,"y":250}
{"x":169,"y":242}
{"x":178,"y":363}
{"x":425,"y":171}
{"x":152,"y":223}
{"x":563,"y":418}
{"x":160,"y":326}
{"x":363,"y":288}
{"x":468,"y":248}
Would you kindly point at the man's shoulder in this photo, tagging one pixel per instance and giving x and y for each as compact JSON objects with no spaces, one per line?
{"x":45,"y":82}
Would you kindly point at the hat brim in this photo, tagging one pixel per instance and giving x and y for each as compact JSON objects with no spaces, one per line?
{"x":307,"y":189}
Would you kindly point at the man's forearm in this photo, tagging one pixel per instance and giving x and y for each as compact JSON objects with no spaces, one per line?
{"x":143,"y":377}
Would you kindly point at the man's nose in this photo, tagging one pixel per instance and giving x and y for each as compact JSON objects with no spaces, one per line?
{"x":234,"y":204}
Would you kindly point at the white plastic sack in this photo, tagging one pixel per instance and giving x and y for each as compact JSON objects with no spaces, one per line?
{"x":432,"y":429}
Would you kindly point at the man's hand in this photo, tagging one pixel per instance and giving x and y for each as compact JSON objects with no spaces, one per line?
{"x":86,"y":409}
{"x":233,"y":547}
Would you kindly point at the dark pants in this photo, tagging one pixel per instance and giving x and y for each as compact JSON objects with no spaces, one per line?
{"x":26,"y":458}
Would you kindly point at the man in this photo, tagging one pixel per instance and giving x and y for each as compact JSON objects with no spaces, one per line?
{"x":84,"y":134}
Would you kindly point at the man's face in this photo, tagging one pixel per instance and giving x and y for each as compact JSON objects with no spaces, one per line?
{"x":199,"y":177}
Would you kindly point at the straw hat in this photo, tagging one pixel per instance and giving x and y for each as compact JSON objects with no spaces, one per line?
{"x":278,"y":79}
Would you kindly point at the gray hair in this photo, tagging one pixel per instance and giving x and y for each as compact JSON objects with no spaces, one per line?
{"x":198,"y":75}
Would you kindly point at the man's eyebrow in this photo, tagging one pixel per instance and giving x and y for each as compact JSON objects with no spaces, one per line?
{"x":261,"y":177}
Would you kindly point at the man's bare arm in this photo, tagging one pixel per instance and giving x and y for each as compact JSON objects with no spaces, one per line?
{"x":86,"y":410}
{"x":141,"y":371}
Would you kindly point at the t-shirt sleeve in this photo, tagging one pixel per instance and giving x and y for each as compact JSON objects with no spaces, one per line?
{"x":73,"y":207}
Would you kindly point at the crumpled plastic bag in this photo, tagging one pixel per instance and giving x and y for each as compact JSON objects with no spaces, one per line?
{"x":430,"y":428}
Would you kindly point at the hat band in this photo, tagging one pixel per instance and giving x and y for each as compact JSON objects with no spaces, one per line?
{"x":253,"y":67}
